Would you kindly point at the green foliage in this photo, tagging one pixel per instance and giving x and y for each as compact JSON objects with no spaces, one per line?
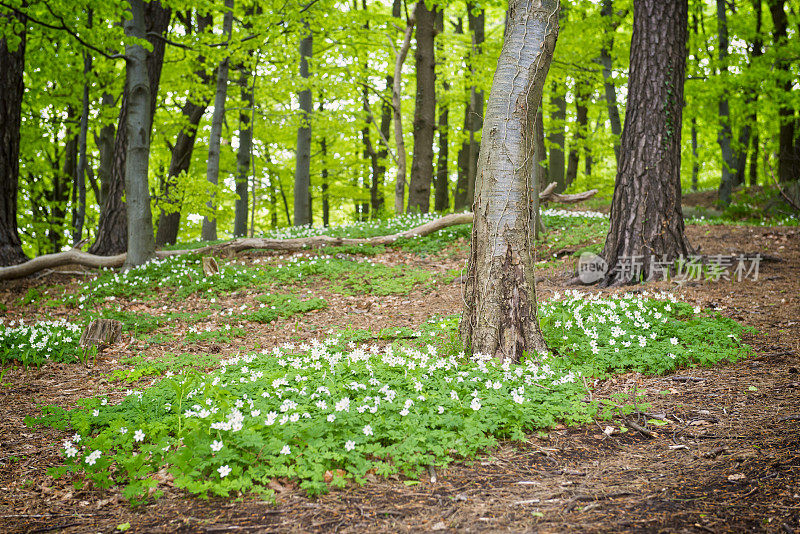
{"x":40,"y":342}
{"x":163,"y":365}
{"x":273,"y":306}
{"x":300,"y":411}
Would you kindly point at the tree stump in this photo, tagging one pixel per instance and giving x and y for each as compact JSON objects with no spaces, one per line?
{"x":100,"y":334}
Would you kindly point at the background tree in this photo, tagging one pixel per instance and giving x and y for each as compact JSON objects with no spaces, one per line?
{"x":646,"y":217}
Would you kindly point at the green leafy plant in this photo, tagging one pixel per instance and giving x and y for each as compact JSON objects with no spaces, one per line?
{"x":40,"y":342}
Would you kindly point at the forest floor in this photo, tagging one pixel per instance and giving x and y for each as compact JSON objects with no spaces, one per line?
{"x":732,"y":465}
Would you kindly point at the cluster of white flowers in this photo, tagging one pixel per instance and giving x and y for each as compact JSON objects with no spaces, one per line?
{"x":549,"y":212}
{"x":40,"y":339}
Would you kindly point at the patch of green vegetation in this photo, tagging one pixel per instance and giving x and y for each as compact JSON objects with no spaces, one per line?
{"x":274,"y":306}
{"x":435,"y":243}
{"x":214,"y":334}
{"x":301,"y":410}
{"x":162,"y":365}
{"x":32,"y":295}
{"x":40,"y":342}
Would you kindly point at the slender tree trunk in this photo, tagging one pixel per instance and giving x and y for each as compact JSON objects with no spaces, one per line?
{"x":462,"y":158}
{"x":695,"y":157}
{"x":79,"y":189}
{"x":243,"y":154}
{"x":540,"y":169}
{"x":105,"y":146}
{"x":582,"y":94}
{"x":419,"y":188}
{"x":376,"y":192}
{"x":500,"y":314}
{"x":607,"y":11}
{"x":555,"y":166}
{"x":646,"y":217}
{"x":326,"y":209}
{"x":477,"y":22}
{"x":397,"y":92}
{"x":12,"y":88}
{"x":750,"y":128}
{"x":112,"y":231}
{"x":754,"y":160}
{"x":788,"y":159}
{"x":724,"y":134}
{"x":169,"y":220}
{"x":209,"y":229}
{"x":141,"y":245}
{"x":441,"y":186}
{"x":61,"y":185}
{"x":302,"y":172}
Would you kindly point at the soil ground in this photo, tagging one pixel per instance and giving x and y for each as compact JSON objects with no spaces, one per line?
{"x":728,"y":461}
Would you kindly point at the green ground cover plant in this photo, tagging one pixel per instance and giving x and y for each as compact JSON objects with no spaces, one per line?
{"x":40,"y":342}
{"x":347,"y":403}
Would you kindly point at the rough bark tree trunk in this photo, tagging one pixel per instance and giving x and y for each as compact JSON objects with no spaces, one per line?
{"x":12,"y":88}
{"x":646,"y":217}
{"x":209,"y":229}
{"x":141,"y":244}
{"x":419,"y":187}
{"x":302,"y":171}
{"x":112,"y":231}
{"x":500,"y":314}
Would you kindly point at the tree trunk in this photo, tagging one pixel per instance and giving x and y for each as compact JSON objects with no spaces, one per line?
{"x":750,"y":128}
{"x":582,"y":119}
{"x":112,"y":231}
{"x":243,"y":154}
{"x":788,"y":159}
{"x":419,"y":187}
{"x":607,"y":11}
{"x":724,"y":134}
{"x":500,"y":314}
{"x":477,"y":24}
{"x":209,"y":229}
{"x":12,"y":88}
{"x":462,"y":158}
{"x":646,"y":217}
{"x":169,"y":219}
{"x":105,"y":146}
{"x":397,"y":111}
{"x":555,"y":165}
{"x":695,"y":158}
{"x":79,"y":188}
{"x":376,"y":191}
{"x":441,"y":199}
{"x":141,"y":245}
{"x":62,"y":180}
{"x":302,"y":172}
{"x":754,"y":161}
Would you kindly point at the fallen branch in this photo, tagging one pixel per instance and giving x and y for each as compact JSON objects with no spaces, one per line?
{"x":84,"y":259}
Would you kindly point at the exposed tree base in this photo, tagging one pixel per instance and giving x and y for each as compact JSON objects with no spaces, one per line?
{"x":77,"y":257}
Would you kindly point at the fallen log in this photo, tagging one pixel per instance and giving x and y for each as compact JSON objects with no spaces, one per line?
{"x":84,"y":259}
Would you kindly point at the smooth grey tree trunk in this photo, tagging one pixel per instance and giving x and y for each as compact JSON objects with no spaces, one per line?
{"x":724,"y":134}
{"x":141,"y":244}
{"x":500,"y":316}
{"x":302,"y":170}
{"x":209,"y":230}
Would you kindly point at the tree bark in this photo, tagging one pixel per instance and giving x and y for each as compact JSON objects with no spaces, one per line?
{"x":419,"y":187}
{"x":611,"y":24}
{"x":79,"y":188}
{"x":400,"y":181}
{"x":105,"y":146}
{"x":441,"y":200}
{"x":788,"y":157}
{"x":63,"y":179}
{"x":581,"y":121}
{"x":555,"y":165}
{"x":477,"y":23}
{"x":724,"y":134}
{"x":302,"y":172}
{"x":112,"y":233}
{"x":751,"y":125}
{"x":169,"y":219}
{"x":141,"y":244}
{"x":646,"y":217}
{"x":499,"y":317}
{"x":12,"y":88}
{"x":209,"y":229}
{"x":243,"y":154}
